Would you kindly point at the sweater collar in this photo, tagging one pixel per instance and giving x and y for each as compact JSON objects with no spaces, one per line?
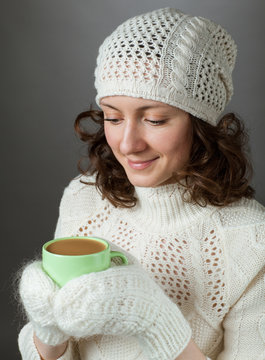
{"x":163,"y":208}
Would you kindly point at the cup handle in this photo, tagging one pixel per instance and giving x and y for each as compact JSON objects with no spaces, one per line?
{"x":120,"y":255}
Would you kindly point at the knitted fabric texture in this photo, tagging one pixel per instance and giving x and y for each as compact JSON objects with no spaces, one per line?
{"x":209,"y":261}
{"x":168,"y":56}
{"x":28,"y":349}
{"x":123,"y":300}
{"x":37,"y":292}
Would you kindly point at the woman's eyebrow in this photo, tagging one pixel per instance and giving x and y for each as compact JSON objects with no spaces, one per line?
{"x":139,"y":108}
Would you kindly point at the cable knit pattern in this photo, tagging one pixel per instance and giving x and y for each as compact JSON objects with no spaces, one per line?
{"x":123,"y":300}
{"x":209,"y":261}
{"x":168,"y":56}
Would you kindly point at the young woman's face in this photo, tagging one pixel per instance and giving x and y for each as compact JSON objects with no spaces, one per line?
{"x":150,"y":139}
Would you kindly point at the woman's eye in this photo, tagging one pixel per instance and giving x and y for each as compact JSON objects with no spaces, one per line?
{"x":113,"y":121}
{"x":156,"y":122}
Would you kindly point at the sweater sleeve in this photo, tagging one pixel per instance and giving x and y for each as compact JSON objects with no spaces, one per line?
{"x":78,"y":201}
{"x":243,"y":227}
{"x":244,"y":325}
{"x":29,"y":351}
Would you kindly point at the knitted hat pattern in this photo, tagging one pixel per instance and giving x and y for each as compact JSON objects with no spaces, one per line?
{"x":168,"y":56}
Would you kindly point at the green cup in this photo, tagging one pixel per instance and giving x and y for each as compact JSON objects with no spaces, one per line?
{"x":66,"y":258}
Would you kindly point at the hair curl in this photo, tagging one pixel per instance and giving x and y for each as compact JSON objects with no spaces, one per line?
{"x":218,"y":172}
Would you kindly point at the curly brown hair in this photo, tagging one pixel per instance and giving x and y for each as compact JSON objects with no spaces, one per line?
{"x":218,"y":171}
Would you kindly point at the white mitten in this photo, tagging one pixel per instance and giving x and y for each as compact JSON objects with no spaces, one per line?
{"x":37,"y":292}
{"x":123,"y":300}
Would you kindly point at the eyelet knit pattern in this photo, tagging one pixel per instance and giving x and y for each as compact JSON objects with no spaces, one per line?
{"x":205,"y":259}
{"x":209,"y":261}
{"x":171,"y":57}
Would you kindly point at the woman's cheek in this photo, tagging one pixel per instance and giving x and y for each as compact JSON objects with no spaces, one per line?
{"x":110,"y":136}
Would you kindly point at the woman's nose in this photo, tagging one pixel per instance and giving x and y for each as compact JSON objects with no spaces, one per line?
{"x":132,"y":139}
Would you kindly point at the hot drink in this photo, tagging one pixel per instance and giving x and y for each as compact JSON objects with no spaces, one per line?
{"x":76,"y":246}
{"x":66,"y":258}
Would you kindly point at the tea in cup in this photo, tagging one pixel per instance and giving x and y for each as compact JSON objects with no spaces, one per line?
{"x":66,"y":258}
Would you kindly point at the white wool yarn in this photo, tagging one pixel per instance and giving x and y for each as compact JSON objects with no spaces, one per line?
{"x":37,"y":292}
{"x":168,"y":56}
{"x":123,"y":300}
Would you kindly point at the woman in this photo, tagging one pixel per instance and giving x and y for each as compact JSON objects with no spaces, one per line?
{"x":169,"y":184}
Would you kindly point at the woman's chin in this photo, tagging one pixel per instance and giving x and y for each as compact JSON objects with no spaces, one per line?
{"x":141,"y":181}
{"x":146,"y":181}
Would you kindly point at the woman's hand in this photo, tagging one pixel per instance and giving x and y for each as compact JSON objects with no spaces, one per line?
{"x":123,"y":300}
{"x":37,"y":292}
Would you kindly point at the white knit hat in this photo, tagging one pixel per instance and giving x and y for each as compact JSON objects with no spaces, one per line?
{"x":171,"y":57}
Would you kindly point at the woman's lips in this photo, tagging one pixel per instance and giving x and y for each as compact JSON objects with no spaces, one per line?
{"x":140,"y":165}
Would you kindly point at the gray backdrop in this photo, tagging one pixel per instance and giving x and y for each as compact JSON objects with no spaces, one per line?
{"x":48,"y":55}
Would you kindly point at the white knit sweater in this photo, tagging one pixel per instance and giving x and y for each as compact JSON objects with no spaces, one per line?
{"x":209,"y":260}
